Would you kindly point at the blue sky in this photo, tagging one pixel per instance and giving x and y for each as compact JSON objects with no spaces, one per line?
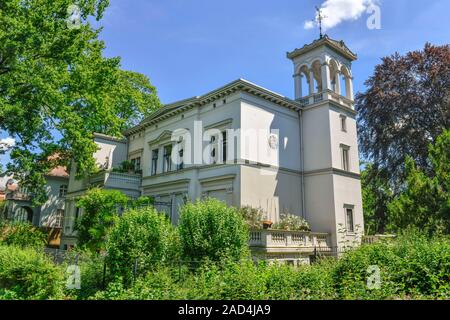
{"x":188,"y":48}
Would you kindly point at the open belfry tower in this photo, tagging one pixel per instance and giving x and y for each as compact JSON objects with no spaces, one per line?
{"x":330,"y":161}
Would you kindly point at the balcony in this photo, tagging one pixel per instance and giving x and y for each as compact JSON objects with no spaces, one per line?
{"x":282,"y":242}
{"x":326,"y":95}
{"x":129,"y":183}
{"x":18,"y":195}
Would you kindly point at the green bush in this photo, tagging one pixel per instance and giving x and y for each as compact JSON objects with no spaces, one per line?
{"x":91,"y":272}
{"x":28,"y":274}
{"x":414,"y":265}
{"x":143,"y":234}
{"x":22,"y":234}
{"x":211,"y":230}
{"x":100,"y":207}
{"x":424,"y":265}
{"x":351,"y":272}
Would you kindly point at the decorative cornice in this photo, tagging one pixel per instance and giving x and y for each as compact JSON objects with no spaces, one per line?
{"x":338,"y":46}
{"x":242,"y":85}
{"x":108,"y":137}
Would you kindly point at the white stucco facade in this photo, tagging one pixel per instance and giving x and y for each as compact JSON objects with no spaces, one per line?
{"x":298,"y":156}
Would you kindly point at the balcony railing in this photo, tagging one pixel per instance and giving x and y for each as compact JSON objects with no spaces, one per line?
{"x":326,"y":95}
{"x":116,"y":180}
{"x":288,"y":241}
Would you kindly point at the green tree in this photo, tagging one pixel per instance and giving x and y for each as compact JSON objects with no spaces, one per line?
{"x":100,"y":207}
{"x":424,"y":202}
{"x":57,"y":88}
{"x":143,"y":234}
{"x":211,"y":230}
{"x":405,"y":107}
{"x":376,"y":194}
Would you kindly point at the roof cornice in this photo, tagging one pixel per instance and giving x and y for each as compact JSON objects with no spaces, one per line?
{"x":338,"y":46}
{"x":242,"y":85}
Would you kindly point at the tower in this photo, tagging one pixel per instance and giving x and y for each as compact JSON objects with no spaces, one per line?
{"x":330,"y":159}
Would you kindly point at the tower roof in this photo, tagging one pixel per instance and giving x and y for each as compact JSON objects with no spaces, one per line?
{"x":338,"y":46}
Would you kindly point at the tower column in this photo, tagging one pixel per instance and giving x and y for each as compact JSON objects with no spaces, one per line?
{"x":350,"y":88}
{"x":298,"y":85}
{"x":326,"y":80}
{"x":338,"y":82}
{"x":311,"y":82}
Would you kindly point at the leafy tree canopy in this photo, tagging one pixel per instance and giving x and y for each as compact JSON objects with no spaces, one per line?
{"x":100,"y":207}
{"x":405,"y":108}
{"x":425,"y":201}
{"x":57,"y":88}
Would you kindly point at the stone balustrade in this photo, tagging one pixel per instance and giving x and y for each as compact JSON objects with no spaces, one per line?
{"x":282,"y":241}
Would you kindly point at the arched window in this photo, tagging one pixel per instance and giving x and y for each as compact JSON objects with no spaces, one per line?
{"x":334,"y":77}
{"x":346,"y":85}
{"x":317,"y":72}
{"x":304,"y":78}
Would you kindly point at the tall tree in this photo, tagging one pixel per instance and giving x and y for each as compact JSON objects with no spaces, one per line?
{"x":57,"y":88}
{"x":425,"y":201}
{"x":405,"y":108}
{"x":376,"y":194}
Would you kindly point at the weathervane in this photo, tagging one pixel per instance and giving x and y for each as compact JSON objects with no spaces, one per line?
{"x":319,"y":19}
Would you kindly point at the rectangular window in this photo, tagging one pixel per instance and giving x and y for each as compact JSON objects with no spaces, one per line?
{"x":180,"y":164}
{"x":77,"y":213}
{"x":343,"y":123}
{"x":167,"y":165}
{"x":345,"y":158}
{"x":59,"y":218}
{"x":154,"y":167}
{"x":349,"y":220}
{"x":224,"y":146}
{"x":213,"y":144}
{"x":62,"y":190}
{"x":137,"y":165}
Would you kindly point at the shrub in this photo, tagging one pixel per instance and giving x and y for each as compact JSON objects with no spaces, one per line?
{"x":22,"y":235}
{"x":100,"y":207}
{"x":91,"y":272}
{"x":351,"y":272}
{"x":291,"y":222}
{"x":424,"y":264}
{"x":228,"y":280}
{"x":28,"y":274}
{"x":210,"y":229}
{"x":143,"y":234}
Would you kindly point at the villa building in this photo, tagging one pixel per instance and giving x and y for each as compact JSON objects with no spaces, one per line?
{"x":249,"y":146}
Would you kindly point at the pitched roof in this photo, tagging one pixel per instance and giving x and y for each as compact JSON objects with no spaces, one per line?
{"x":338,"y":46}
{"x":238,"y":85}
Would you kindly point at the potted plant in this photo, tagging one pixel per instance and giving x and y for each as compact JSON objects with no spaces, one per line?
{"x":267,"y":224}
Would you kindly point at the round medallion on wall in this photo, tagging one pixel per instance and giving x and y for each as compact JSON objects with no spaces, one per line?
{"x":273,"y":141}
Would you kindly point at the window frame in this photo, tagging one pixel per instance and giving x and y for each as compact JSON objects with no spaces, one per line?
{"x":167,"y":158}
{"x":63,"y":190}
{"x":154,"y":164}
{"x":59,"y":218}
{"x":345,"y":158}
{"x":349,"y":225}
{"x":343,"y":120}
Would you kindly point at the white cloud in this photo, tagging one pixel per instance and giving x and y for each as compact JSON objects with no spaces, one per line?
{"x":309,"y":25}
{"x":338,"y":11}
{"x":7,"y":143}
